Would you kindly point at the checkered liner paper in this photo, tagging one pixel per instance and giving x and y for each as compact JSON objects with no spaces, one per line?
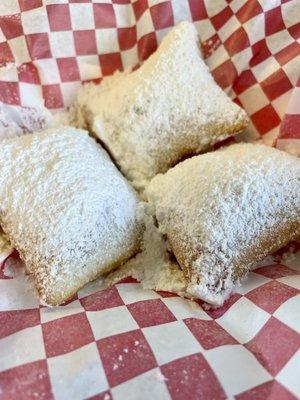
{"x":125,"y":342}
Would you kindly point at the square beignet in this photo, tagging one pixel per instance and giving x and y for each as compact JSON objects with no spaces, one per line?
{"x":66,"y":209}
{"x":224,"y":211}
{"x":169,"y":108}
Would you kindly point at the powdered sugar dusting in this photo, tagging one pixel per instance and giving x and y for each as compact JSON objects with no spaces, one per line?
{"x":89,"y":101}
{"x":167,"y":109}
{"x":224,"y":211}
{"x":82,"y":216}
{"x":152,"y":267}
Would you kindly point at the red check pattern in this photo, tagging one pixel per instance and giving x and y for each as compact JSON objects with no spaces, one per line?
{"x":115,"y":343}
{"x":252,"y":48}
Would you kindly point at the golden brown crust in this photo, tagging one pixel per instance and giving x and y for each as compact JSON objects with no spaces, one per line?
{"x":73,"y":218}
{"x":224,"y":211}
{"x":215,"y":132}
{"x":57,"y":298}
{"x":267,"y":244}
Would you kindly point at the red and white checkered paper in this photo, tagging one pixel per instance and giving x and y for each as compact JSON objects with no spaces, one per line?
{"x":126,"y":342}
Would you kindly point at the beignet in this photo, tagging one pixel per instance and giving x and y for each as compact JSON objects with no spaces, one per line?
{"x":168,"y":109}
{"x":66,"y":209}
{"x":224,"y":211}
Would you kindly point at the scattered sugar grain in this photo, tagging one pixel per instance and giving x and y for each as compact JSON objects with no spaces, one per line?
{"x":152,"y":267}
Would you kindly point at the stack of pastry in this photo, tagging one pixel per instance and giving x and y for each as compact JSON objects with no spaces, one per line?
{"x":72,"y":216}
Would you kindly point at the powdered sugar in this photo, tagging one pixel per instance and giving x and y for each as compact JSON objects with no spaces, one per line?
{"x":224,"y":211}
{"x":152,"y":266}
{"x":167,"y":109}
{"x":89,"y":101}
{"x":66,"y":209}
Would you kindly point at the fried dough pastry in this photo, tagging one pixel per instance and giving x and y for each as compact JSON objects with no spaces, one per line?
{"x":66,"y":209}
{"x":169,"y":108}
{"x":224,"y":211}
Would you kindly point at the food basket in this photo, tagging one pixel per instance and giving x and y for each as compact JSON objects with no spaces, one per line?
{"x":125,"y":342}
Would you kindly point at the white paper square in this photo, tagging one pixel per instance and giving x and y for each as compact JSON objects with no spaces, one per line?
{"x":269,"y":137}
{"x":280,"y":103}
{"x":9,"y":7}
{"x":9,"y":73}
{"x":89,"y":67}
{"x":255,"y":28}
{"x":19,"y":49}
{"x":16,"y":294}
{"x":82,"y":16}
{"x":124,"y":15}
{"x":144,"y":25}
{"x":48,"y":71}
{"x":78,"y":374}
{"x":205,"y":28}
{"x":110,"y":322}
{"x":56,"y":1}
{"x":292,"y":146}
{"x":147,"y":386}
{"x":291,"y":280}
{"x":31,"y":95}
{"x":52,"y":313}
{"x":21,"y":348}
{"x":279,"y":41}
{"x":289,"y":375}
{"x":293,"y":108}
{"x":183,"y":308}
{"x":107,"y":41}
{"x":155,"y":2}
{"x":214,"y":7}
{"x":228,"y":28}
{"x":243,"y":320}
{"x":133,"y":292}
{"x":253,"y":281}
{"x":161,"y":34}
{"x":181,"y":11}
{"x":129,"y":57}
{"x":62,"y":44}
{"x":289,"y":313}
{"x":171,"y":341}
{"x":292,"y":69}
{"x":241,"y":60}
{"x":235,"y":5}
{"x":236,"y":368}
{"x":268,"y":5}
{"x":290,"y":13}
{"x":266,"y":68}
{"x":69,"y":92}
{"x":102,"y":1}
{"x":253,"y":99}
{"x":35,"y":21}
{"x":2,"y":37}
{"x":218,"y":57}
